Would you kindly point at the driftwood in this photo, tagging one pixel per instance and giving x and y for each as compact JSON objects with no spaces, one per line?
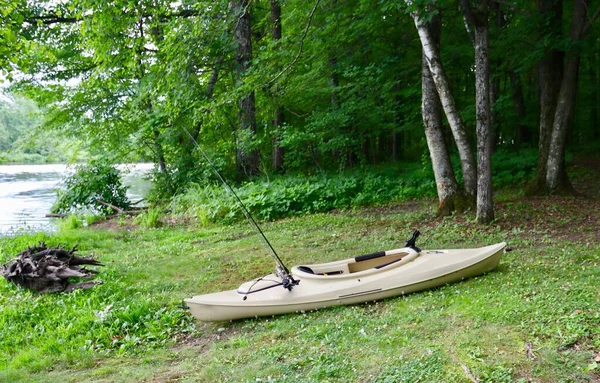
{"x":118,"y":211}
{"x":56,"y":215}
{"x":47,"y":270}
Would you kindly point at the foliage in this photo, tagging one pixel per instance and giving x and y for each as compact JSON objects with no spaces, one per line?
{"x":285,"y":196}
{"x":89,"y":184}
{"x":22,"y":140}
{"x":149,"y":219}
{"x":288,"y":196}
{"x":134,"y":79}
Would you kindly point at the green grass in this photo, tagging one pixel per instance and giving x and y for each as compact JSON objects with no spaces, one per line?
{"x":543,"y":297}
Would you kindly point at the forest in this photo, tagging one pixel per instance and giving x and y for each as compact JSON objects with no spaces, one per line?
{"x":323,"y":87}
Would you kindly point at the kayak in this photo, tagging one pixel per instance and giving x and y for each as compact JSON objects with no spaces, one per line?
{"x":364,"y":278}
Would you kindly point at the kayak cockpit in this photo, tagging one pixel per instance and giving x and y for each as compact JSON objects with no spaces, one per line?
{"x":347,"y":268}
{"x":352,"y":267}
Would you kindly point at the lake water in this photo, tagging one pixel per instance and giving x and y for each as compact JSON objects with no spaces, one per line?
{"x":27,"y":192}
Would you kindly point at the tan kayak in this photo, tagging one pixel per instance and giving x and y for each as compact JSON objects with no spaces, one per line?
{"x":354,"y":280}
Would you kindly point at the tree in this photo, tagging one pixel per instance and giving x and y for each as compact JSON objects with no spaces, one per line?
{"x":247,"y":157}
{"x":478,"y":17}
{"x":431,"y":109}
{"x":278,"y":116}
{"x":556,"y":175}
{"x":440,"y":79}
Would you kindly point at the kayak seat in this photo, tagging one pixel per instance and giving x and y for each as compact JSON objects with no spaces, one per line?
{"x":376,"y":262}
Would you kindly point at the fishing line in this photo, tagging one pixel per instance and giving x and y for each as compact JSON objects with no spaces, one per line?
{"x":282,"y":271}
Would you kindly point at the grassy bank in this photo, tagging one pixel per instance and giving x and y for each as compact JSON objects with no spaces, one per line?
{"x":534,"y":319}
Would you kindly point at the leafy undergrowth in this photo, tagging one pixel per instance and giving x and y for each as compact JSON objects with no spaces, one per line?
{"x":287,"y":196}
{"x":535,"y":319}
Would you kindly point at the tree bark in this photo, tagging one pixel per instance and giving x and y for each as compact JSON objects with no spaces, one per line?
{"x":442,"y":85}
{"x":247,"y":158}
{"x":550,"y":73}
{"x":556,"y":175}
{"x":478,"y":18}
{"x":278,"y":117}
{"x":431,"y":109}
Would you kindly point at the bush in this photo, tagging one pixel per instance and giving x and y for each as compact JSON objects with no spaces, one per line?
{"x":96,"y":181}
{"x":294,"y":195}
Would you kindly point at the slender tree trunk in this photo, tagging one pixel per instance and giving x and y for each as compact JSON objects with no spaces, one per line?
{"x":594,"y":64}
{"x":247,"y":158}
{"x":278,"y":116}
{"x":333,"y":79}
{"x":500,"y":22}
{"x":478,"y":18}
{"x":442,"y":85}
{"x":397,"y":136}
{"x":485,"y":207}
{"x":519,"y":103}
{"x":550,"y":73}
{"x":431,"y":109}
{"x":397,"y":145}
{"x":556,"y":175}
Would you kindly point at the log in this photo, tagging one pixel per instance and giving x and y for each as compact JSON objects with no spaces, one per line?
{"x":48,"y":269}
{"x":120,"y":211}
{"x":55,"y":215}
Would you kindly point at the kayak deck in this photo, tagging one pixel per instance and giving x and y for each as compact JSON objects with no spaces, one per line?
{"x":349,"y":281}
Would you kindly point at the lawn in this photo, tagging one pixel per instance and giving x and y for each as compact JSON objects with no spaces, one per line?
{"x":534,"y":319}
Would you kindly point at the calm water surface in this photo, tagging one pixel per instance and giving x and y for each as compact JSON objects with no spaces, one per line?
{"x":27,"y":192}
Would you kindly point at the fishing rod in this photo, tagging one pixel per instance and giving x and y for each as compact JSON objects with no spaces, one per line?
{"x":287,"y":281}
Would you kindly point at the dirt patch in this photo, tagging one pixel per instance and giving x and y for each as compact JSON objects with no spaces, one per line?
{"x":115,"y":224}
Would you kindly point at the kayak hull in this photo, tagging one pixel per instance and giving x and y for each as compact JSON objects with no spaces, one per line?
{"x":408,"y":272}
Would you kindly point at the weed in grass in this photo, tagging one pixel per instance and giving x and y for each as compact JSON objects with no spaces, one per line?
{"x":149,"y":219}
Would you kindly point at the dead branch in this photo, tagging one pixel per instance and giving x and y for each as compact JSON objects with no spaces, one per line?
{"x":466,"y":370}
{"x":119,"y":211}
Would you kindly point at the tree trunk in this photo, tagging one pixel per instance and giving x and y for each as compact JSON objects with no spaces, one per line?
{"x":247,"y":158}
{"x":521,"y":135}
{"x":479,"y":19}
{"x":397,"y":136}
{"x":431,"y":109}
{"x":500,"y":22}
{"x":550,"y":72}
{"x":278,"y":116}
{"x":556,"y":175}
{"x":594,"y":63}
{"x":333,"y":79}
{"x":442,"y":85}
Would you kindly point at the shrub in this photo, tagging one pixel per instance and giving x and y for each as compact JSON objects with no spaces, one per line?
{"x":297,"y":195}
{"x":96,"y":181}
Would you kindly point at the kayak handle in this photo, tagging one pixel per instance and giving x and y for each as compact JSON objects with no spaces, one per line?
{"x":412,"y":242}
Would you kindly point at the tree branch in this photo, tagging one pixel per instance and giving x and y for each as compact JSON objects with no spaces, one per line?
{"x":590,"y":22}
{"x":53,"y":18}
{"x":289,"y":66}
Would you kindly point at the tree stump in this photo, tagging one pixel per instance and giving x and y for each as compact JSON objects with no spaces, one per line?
{"x":48,"y":270}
